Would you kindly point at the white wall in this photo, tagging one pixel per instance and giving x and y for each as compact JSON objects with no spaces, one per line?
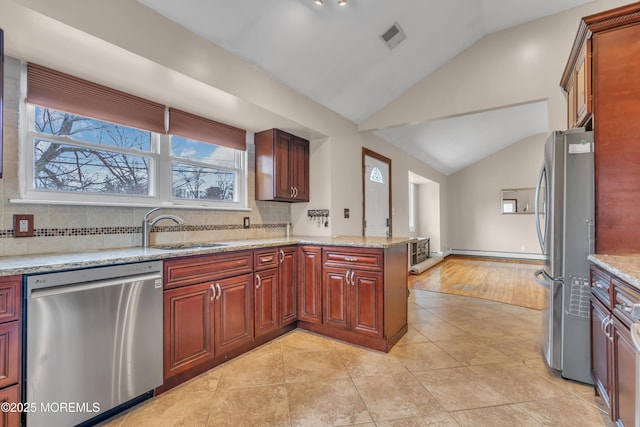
{"x":429,"y":213}
{"x":476,"y":221}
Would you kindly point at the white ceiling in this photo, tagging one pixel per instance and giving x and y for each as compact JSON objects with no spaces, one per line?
{"x":333,"y":55}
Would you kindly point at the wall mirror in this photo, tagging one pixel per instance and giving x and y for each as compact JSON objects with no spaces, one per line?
{"x":517,"y":200}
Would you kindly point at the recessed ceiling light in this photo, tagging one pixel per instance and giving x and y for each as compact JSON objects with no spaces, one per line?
{"x":320,"y":2}
{"x":342,"y":2}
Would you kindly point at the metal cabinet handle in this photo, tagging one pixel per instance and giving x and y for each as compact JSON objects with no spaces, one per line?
{"x":281,"y":256}
{"x":635,"y":337}
{"x":219,"y":291}
{"x":259,"y":281}
{"x":599,"y":285}
{"x":347,"y":277}
{"x":213,"y":292}
{"x":624,"y":307}
{"x":266,"y":258}
{"x":351,"y":259}
{"x":295,"y":194}
{"x":292,"y":193}
{"x":353,"y":278}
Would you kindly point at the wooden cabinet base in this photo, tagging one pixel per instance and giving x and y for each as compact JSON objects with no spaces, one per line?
{"x":381,"y":344}
{"x":193,"y":371}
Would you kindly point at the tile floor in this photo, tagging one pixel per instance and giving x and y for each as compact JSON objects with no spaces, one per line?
{"x":464,"y":362}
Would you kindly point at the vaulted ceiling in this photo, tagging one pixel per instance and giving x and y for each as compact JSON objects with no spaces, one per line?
{"x":334,"y":55}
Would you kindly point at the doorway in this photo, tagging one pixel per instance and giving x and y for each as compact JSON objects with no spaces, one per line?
{"x":376,"y":184}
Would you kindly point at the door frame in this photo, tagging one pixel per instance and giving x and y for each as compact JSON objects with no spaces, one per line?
{"x":380,"y":157}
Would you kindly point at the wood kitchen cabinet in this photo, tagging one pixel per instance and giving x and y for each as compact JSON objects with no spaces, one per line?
{"x":605,"y":59}
{"x":614,"y":357}
{"x":288,"y":295}
{"x":282,"y":166}
{"x":310,"y":284}
{"x":364,"y":294}
{"x":266,"y":291}
{"x":208,"y":311}
{"x":10,"y":346}
{"x":576,"y":82}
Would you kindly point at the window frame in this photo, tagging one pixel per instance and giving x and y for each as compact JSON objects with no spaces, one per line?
{"x":160,"y":174}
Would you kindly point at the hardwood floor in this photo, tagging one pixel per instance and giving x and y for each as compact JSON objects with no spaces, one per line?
{"x":508,"y":281}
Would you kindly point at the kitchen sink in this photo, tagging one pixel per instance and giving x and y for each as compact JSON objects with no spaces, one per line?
{"x":178,"y":246}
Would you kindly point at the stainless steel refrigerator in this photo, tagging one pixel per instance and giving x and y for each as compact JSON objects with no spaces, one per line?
{"x":564,"y":221}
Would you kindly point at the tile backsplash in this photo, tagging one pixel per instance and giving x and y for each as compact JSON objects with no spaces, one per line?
{"x":61,"y":228}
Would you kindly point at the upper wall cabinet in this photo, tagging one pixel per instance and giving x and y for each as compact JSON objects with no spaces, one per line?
{"x":282,"y":166}
{"x":576,"y":82}
{"x":610,"y":42}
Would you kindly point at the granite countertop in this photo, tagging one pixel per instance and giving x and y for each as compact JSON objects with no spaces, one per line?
{"x":626,"y":267}
{"x":41,"y":263}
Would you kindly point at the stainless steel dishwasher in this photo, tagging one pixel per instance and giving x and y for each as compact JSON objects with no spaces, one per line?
{"x":93,"y":341}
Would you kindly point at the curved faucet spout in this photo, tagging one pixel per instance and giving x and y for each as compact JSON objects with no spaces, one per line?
{"x":147,"y":225}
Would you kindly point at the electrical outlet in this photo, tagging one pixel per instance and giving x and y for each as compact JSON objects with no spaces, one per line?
{"x":23,"y":225}
{"x":246,"y":222}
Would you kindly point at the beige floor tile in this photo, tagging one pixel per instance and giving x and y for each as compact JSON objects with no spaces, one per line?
{"x":421,"y":315}
{"x":207,"y":381}
{"x":401,"y":396}
{"x":459,"y":388}
{"x":253,"y":369}
{"x":300,"y":340}
{"x":519,"y":382}
{"x":495,"y":416}
{"x":486,"y":328}
{"x":442,"y":330}
{"x":412,"y":337}
{"x":172,"y":409}
{"x":366,"y":363}
{"x":568,"y":411}
{"x":442,"y":419}
{"x":254,"y":406}
{"x":424,"y":356}
{"x":314,"y":366}
{"x":472,"y":352}
{"x":326,"y":403}
{"x":516,"y":346}
{"x":463,"y":312}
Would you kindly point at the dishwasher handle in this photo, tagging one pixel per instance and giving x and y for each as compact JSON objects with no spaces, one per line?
{"x":96,"y":284}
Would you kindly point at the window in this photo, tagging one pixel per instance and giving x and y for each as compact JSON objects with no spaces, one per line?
{"x":104,"y":158}
{"x":77,"y":159}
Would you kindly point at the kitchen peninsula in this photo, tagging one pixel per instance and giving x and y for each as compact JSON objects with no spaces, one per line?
{"x":221,"y":301}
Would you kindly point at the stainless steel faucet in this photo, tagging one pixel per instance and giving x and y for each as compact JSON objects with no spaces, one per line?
{"x":147,"y":224}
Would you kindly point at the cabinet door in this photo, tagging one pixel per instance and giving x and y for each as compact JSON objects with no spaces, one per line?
{"x":624,"y":375}
{"x":10,"y":395}
{"x":600,"y":348}
{"x":266,"y":301}
{"x":10,"y":298}
{"x":336,"y":298}
{"x":310,"y":284}
{"x":282,"y":167}
{"x":300,"y":168}
{"x":188,"y":327}
{"x":366,"y":304}
{"x":10,"y":360}
{"x":288,"y":286}
{"x":233,"y":313}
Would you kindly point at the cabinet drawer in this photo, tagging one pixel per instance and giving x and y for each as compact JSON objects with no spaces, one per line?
{"x":10,"y":298}
{"x":264,"y":259}
{"x":198,"y":269}
{"x":600,"y":284}
{"x":361,"y":259}
{"x":624,"y":296}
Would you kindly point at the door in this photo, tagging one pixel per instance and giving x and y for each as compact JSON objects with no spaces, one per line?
{"x":188,"y":326}
{"x":233,"y":313}
{"x":300,"y":168}
{"x":376,"y":182}
{"x":367,"y":303}
{"x":336,"y":301}
{"x":625,"y":374}
{"x":288,"y":284}
{"x":266,"y":301}
{"x":310,"y":290}
{"x":282,"y":167}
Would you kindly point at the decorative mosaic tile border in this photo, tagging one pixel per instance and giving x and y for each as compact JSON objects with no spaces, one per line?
{"x":97,"y":231}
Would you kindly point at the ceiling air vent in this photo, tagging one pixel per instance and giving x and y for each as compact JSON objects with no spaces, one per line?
{"x":393,"y":36}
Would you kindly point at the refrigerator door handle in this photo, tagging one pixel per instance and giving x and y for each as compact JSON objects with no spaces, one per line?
{"x":537,"y":207}
{"x":543,"y":283}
